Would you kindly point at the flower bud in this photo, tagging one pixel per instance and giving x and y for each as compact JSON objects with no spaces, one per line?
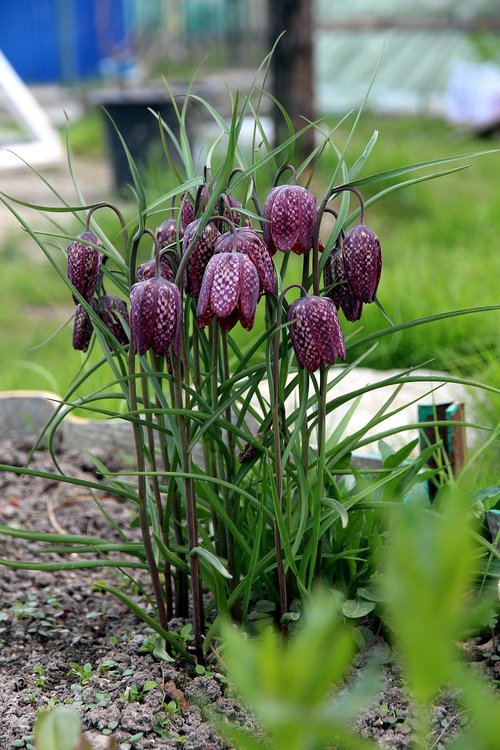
{"x":246,"y":240}
{"x":82,"y":327}
{"x":147,"y":270}
{"x":230,"y":290}
{"x":167,"y":233}
{"x":155,"y":316}
{"x":200,"y":255}
{"x":290,"y":219}
{"x":362,"y":256}
{"x":315,"y":332}
{"x":84,"y":264}
{"x":112,"y":311}
{"x":341,"y":294}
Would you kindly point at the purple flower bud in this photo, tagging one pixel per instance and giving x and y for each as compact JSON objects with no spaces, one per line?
{"x":237,"y":218}
{"x":290,"y":213}
{"x":82,"y":327}
{"x":187,"y":212}
{"x":187,"y":208}
{"x":155,"y":316}
{"x":362,"y":262}
{"x":112,"y":311}
{"x":230,"y":291}
{"x":166,"y":233}
{"x":315,"y":331}
{"x":84,"y":264}
{"x":199,"y":257}
{"x":342,"y":294}
{"x":148,"y":270}
{"x":246,"y":240}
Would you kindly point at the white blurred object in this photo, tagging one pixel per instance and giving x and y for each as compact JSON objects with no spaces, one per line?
{"x":44,"y":148}
{"x":473,"y":94}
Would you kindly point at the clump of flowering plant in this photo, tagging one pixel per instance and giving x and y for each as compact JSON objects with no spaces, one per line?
{"x":238,"y":488}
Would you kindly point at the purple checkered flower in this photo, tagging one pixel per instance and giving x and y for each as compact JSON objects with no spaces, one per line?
{"x":341,"y":294}
{"x":290,"y":214}
{"x":362,"y":256}
{"x":112,"y":311}
{"x":155,"y":316}
{"x":315,"y":331}
{"x":84,"y":264}
{"x":82,"y":327}
{"x":147,"y":270}
{"x":200,"y":255}
{"x":246,"y":240}
{"x":166,"y":233}
{"x":230,"y":291}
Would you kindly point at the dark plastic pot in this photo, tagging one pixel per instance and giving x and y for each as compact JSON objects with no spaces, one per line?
{"x":129,"y":111}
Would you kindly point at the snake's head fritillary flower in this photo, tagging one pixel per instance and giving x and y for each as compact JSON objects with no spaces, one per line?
{"x":200,"y":255}
{"x":155,"y":316}
{"x":230,"y":290}
{"x":290,"y":218}
{"x":147,"y":270}
{"x":188,"y":213}
{"x":82,"y":327}
{"x":341,"y":294}
{"x":315,"y":331}
{"x":113,"y":313}
{"x":167,"y":233}
{"x":84,"y":264}
{"x":362,"y":262}
{"x":246,"y":240}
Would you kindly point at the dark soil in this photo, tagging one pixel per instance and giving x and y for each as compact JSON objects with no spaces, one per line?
{"x":51,"y":621}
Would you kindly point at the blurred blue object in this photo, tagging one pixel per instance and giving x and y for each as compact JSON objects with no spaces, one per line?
{"x":64,"y":41}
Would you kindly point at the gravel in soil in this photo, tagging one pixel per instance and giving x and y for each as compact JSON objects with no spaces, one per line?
{"x":62,"y":642}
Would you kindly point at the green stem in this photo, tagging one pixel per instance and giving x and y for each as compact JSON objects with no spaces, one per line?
{"x":155,"y":482}
{"x":139,"y":451}
{"x":192,"y":520}
{"x":278,"y":469}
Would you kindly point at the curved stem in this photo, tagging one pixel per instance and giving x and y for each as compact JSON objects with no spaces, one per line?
{"x":157,"y":249}
{"x":105,"y":204}
{"x":349,"y":188}
{"x":283,"y":169}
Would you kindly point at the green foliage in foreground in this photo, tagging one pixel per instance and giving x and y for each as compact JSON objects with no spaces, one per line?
{"x":428,"y":571}
{"x":302,"y":691}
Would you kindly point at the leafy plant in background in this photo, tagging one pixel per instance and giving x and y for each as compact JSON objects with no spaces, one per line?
{"x":237,"y":486}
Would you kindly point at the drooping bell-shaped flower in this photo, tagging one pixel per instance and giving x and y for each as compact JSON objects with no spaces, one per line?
{"x":84,"y":264}
{"x":200,"y":255}
{"x":82,"y":327}
{"x":246,"y":240}
{"x":155,"y":316}
{"x":290,"y":218}
{"x":341,"y":294}
{"x":315,"y":331}
{"x":113,"y":312}
{"x":167,"y":233}
{"x":362,"y":256}
{"x":230,"y":290}
{"x":147,"y":270}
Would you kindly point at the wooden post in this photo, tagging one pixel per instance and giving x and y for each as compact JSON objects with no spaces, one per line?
{"x":292,"y":67}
